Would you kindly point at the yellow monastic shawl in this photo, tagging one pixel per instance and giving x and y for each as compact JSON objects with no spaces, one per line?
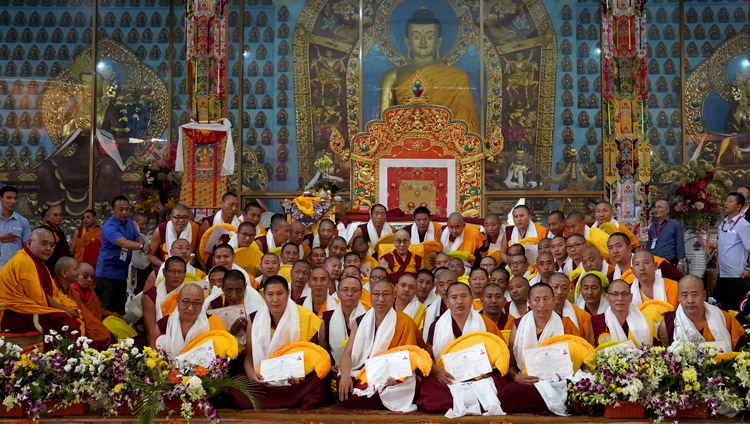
{"x":21,"y":290}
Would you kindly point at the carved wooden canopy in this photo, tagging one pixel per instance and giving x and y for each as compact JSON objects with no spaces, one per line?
{"x":418,"y":132}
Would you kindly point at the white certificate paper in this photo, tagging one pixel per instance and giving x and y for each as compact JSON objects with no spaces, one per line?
{"x":379,"y":368}
{"x":550,"y":363}
{"x":214,"y":238}
{"x":203,"y":355}
{"x":283,"y":367}
{"x":229,"y":314}
{"x":467,"y":364}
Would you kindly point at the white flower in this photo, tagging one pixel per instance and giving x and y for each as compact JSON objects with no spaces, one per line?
{"x":67,"y":368}
{"x":699,"y":205}
{"x":65,"y":328}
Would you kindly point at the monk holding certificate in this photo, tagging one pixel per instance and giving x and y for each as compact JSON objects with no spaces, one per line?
{"x":542,"y":323}
{"x":439,"y":390}
{"x":273,"y":327}
{"x":382,"y":328}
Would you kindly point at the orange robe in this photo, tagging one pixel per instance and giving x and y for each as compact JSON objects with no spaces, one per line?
{"x":92,"y":302}
{"x":25,"y":284}
{"x":472,"y":241}
{"x":85,"y":237}
{"x":95,"y":328}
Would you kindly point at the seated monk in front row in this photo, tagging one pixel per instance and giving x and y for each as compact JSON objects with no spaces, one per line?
{"x":274,"y":326}
{"x":382,"y":328}
{"x":66,"y":273}
{"x":460,"y":320}
{"x":696,"y":321}
{"x":187,"y":323}
{"x":27,"y":290}
{"x":543,"y":322}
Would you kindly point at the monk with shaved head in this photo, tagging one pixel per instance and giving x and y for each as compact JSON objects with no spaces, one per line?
{"x":401,"y":261}
{"x":460,"y":237}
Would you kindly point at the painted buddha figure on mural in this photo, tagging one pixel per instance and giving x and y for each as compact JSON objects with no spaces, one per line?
{"x":443,"y":84}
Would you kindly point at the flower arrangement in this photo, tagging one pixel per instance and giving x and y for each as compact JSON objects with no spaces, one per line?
{"x":666,"y":380}
{"x":618,"y":374}
{"x":699,"y":194}
{"x":324,"y":164}
{"x":161,"y":185}
{"x":122,"y":377}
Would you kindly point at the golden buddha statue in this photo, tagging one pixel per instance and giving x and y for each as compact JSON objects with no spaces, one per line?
{"x":445,"y":85}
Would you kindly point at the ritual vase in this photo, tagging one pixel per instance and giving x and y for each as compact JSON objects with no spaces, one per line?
{"x":624,"y":409}
{"x":700,"y":410}
{"x":53,"y":410}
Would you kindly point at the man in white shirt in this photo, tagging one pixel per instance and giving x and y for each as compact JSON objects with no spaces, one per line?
{"x":734,"y":246}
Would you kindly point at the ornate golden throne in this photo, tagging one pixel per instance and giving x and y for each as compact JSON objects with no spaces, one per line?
{"x":417,"y":155}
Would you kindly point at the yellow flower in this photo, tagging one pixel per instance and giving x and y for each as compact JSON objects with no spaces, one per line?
{"x":613,"y":385}
{"x":29,"y":374}
{"x":696,"y":386}
{"x":688,"y":387}
{"x":619,"y":390}
{"x":185,"y":380}
{"x":165,"y":372}
{"x":151,"y":363}
{"x":118,"y":387}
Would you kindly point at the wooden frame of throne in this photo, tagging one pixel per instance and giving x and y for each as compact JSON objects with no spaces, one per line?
{"x":418,"y":155}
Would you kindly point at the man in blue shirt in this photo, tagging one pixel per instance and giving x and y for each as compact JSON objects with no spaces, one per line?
{"x":14,"y":229}
{"x":665,"y":236}
{"x":119,"y":239}
{"x":734,"y":247}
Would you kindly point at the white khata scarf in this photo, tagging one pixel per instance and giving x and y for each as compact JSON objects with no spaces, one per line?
{"x":219,"y":220}
{"x":515,"y":235}
{"x":513,"y":310}
{"x":660,"y":292}
{"x":372,"y":232}
{"x":471,"y":397}
{"x":172,"y":341}
{"x":339,"y":336}
{"x":685,"y":331}
{"x":431,"y":297}
{"x":330,"y":303}
{"x":444,"y":330}
{"x":428,"y":236}
{"x":412,"y":307}
{"x":526,"y":335}
{"x":638,"y":326}
{"x":445,"y":240}
{"x":161,"y":296}
{"x":499,"y":242}
{"x":171,"y":234}
{"x":431,"y":315}
{"x":287,"y":331}
{"x":371,"y":342}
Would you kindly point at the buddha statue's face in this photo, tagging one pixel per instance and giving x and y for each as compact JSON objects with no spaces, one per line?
{"x":423,"y":40}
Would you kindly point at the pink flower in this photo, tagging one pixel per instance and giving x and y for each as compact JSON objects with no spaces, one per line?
{"x":160,"y":162}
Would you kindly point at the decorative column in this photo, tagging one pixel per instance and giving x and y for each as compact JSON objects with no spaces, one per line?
{"x":627,"y":152}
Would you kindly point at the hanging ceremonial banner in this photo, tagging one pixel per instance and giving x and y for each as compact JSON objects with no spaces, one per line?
{"x":206,"y":32}
{"x":627,"y":153}
{"x":207,"y":159}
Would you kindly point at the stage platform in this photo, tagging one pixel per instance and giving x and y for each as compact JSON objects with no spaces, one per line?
{"x":341,"y":415}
